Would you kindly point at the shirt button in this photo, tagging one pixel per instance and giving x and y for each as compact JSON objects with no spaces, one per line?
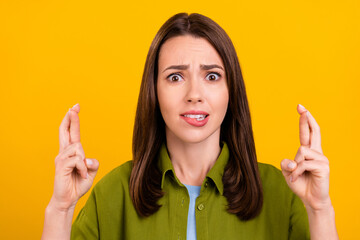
{"x":206,"y":184}
{"x":182,"y":202}
{"x":200,"y":206}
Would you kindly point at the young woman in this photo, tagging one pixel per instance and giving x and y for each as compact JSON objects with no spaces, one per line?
{"x":194,"y":173}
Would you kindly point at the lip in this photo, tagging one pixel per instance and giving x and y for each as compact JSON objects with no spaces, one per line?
{"x":194,"y":112}
{"x":193,"y":121}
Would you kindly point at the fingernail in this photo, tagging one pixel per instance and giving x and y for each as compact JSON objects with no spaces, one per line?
{"x":291,"y":178}
{"x":87,"y":175}
{"x":308,"y":114}
{"x":302,"y":106}
{"x":89,"y":162}
{"x":291,"y":165}
{"x":75,"y":105}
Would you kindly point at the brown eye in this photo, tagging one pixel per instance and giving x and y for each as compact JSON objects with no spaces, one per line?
{"x":175,"y":77}
{"x":213,"y":76}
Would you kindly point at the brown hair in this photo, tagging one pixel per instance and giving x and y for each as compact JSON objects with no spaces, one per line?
{"x":242,"y":185}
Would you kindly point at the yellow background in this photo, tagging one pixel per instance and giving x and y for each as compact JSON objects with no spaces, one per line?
{"x":54,"y":54}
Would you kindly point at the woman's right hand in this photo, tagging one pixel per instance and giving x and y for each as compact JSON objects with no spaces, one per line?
{"x":74,"y":174}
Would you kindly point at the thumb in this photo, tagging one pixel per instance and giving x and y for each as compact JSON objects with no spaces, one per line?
{"x":92,"y":165}
{"x":287,"y":166}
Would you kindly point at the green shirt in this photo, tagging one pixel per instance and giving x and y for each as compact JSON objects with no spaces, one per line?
{"x":109,"y":212}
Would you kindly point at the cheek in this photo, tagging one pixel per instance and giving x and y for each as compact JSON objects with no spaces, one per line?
{"x":219,"y":101}
{"x":167,"y":101}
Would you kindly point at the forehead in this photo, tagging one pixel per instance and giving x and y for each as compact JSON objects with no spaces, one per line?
{"x":187,"y":50}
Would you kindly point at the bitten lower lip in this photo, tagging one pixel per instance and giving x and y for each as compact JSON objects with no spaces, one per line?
{"x":194,"y":122}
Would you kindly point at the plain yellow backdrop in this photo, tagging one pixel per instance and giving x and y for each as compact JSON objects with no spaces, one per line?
{"x":54,"y":54}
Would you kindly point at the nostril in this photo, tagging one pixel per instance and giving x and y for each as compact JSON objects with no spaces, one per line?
{"x":195,"y":99}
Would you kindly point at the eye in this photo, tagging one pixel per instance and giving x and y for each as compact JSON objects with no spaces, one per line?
{"x":174,"y":77}
{"x":213,"y":76}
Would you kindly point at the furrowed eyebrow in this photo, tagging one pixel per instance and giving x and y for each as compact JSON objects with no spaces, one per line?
{"x":179,"y":67}
{"x":211,"y":66}
{"x":202,"y":66}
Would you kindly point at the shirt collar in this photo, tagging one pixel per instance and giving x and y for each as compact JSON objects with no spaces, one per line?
{"x":215,"y":173}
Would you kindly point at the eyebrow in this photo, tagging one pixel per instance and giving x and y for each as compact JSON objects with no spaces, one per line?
{"x":202,"y":66}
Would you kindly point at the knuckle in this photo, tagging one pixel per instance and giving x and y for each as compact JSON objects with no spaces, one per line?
{"x":68,"y":147}
{"x":78,"y":158}
{"x":78,"y":146}
{"x":302,"y":150}
{"x":59,"y":165}
{"x":79,"y":163}
{"x":58,"y":160}
{"x":326,"y":167}
{"x":81,"y":152}
{"x":301,"y":165}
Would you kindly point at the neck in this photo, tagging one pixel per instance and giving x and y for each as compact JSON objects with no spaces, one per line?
{"x":192,"y":161}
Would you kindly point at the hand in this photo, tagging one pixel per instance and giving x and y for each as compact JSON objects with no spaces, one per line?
{"x":308,"y":175}
{"x":74,"y":174}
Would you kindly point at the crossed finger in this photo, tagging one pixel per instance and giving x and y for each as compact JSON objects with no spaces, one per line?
{"x":72,"y":150}
{"x":306,"y":153}
{"x":69,"y":130}
{"x":309,"y":130}
{"x":306,"y":159}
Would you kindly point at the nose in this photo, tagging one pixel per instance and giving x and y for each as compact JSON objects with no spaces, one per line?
{"x":194,"y":91}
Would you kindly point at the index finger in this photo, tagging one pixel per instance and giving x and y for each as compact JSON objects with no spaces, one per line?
{"x":74,"y":124}
{"x":309,"y":130}
{"x":64,"y":134}
{"x":303,"y":126}
{"x":315,"y":136}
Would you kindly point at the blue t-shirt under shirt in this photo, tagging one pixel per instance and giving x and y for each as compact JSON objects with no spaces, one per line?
{"x":194,"y":192}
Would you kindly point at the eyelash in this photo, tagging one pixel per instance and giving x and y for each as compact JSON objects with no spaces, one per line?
{"x":177,"y":73}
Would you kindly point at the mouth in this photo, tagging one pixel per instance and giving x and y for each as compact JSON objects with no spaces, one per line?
{"x":197,"y":117}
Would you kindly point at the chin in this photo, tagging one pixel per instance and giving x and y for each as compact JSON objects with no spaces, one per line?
{"x":192,"y":136}
{"x":193,"y":139}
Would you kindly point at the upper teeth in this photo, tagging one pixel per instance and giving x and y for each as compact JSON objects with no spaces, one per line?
{"x":194,"y":116}
{"x":198,"y":117}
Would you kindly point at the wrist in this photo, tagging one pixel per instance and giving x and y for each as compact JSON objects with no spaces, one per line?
{"x":323,"y":214}
{"x":322,"y":222}
{"x":319,"y":208}
{"x":57,"y":222}
{"x":61,"y":208}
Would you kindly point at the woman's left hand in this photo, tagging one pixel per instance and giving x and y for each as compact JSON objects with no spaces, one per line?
{"x":308,"y":175}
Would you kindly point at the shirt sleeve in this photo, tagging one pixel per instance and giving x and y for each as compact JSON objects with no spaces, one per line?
{"x":86,"y":224}
{"x":299,"y":225}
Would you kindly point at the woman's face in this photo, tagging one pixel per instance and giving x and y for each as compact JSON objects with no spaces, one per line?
{"x":192,"y":89}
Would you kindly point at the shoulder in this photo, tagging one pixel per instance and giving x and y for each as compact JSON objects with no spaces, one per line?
{"x":281,"y":205}
{"x":105,"y":205}
{"x":273,"y":181}
{"x":269,"y":171}
{"x":116,"y":180}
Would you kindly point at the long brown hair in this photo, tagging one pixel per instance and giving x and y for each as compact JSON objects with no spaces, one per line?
{"x":242,"y":185}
